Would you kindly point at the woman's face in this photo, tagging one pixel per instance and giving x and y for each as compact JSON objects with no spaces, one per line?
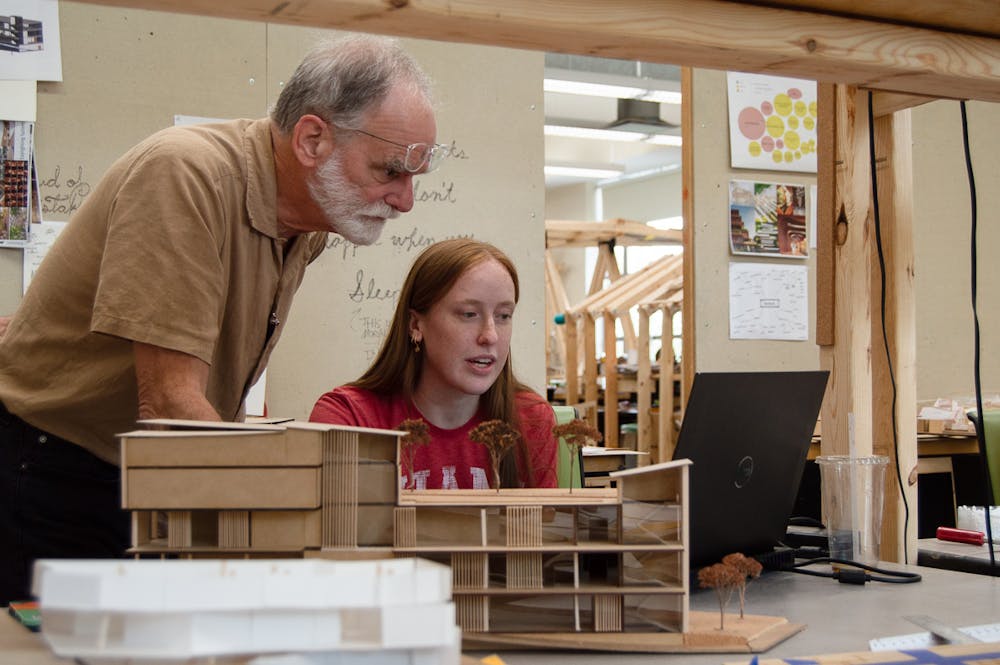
{"x":465,"y":336}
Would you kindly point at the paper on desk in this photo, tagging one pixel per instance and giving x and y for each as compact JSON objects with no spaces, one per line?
{"x":989,"y":632}
{"x":597,"y":451}
{"x":935,"y":413}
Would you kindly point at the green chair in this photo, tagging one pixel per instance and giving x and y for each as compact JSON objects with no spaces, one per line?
{"x":568,"y":472}
{"x":991,"y":437}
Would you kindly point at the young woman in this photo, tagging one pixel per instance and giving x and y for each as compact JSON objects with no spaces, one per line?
{"x":446,"y":360}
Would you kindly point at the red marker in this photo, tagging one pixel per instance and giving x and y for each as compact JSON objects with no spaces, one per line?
{"x":960,"y":535}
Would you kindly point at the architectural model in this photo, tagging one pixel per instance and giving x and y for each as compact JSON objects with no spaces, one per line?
{"x":547,"y":568}
{"x":399,"y":608}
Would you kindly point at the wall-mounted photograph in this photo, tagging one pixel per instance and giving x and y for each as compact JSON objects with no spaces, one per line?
{"x":767,"y":218}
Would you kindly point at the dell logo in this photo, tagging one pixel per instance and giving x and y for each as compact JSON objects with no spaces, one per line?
{"x":744,"y":469}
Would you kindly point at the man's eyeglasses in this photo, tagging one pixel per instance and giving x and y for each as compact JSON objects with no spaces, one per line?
{"x":420,"y":157}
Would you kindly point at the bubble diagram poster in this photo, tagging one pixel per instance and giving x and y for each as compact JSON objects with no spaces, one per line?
{"x":772,"y":122}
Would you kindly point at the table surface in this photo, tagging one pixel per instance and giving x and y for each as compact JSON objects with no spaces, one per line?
{"x":838,"y":617}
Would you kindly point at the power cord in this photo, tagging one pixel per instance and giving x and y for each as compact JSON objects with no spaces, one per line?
{"x":855,"y":573}
{"x":852,"y":572}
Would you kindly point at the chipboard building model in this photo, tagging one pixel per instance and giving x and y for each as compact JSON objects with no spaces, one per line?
{"x":590,"y":568}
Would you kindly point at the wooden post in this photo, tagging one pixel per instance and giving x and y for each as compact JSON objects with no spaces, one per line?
{"x":688,"y":366}
{"x":610,"y":383}
{"x":556,"y":302}
{"x":644,"y":390}
{"x":665,"y":427}
{"x":895,"y":432}
{"x":826,"y":214}
{"x":572,"y":360}
{"x":590,"y":367}
{"x":847,"y":408}
{"x":854,"y":421}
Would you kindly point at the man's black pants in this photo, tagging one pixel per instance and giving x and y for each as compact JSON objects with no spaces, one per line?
{"x":56,"y":501}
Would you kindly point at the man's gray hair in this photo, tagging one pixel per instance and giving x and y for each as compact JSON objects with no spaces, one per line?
{"x":341,"y":80}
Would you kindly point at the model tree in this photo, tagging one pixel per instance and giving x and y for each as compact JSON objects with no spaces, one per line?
{"x":724,"y":579}
{"x":576,"y":433}
{"x":417,"y":434}
{"x":748,"y":568}
{"x":498,"y":437}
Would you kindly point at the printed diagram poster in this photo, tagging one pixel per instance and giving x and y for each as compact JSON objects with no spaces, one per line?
{"x":15,"y":182}
{"x":772,"y":122}
{"x":768,"y":301}
{"x":768,"y":219}
{"x":43,"y":236}
{"x":29,"y":40}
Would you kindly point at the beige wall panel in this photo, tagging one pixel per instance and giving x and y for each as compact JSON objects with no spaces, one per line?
{"x":128,"y":72}
{"x":490,"y":111}
{"x":714,"y":350}
{"x":942,"y":218}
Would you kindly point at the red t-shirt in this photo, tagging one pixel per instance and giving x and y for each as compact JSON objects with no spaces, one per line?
{"x":451,"y":460}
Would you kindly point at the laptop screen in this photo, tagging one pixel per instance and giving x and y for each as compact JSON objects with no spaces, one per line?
{"x":747,"y":434}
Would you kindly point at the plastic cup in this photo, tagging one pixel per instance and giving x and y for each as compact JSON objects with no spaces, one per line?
{"x":852,"y":490}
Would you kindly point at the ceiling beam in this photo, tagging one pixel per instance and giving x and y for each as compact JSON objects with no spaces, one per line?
{"x":715,"y":34}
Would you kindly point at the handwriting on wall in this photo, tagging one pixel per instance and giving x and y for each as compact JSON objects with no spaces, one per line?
{"x":60,"y":194}
{"x":374,"y":280}
{"x":376,"y":274}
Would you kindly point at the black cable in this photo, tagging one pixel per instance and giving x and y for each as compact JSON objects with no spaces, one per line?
{"x":885,"y":335}
{"x":981,"y":425}
{"x":855,"y":573}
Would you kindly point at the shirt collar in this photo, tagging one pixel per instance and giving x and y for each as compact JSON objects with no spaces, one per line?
{"x":262,"y":186}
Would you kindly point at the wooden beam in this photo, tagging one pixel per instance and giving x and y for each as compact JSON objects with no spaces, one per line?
{"x":714,"y":34}
{"x":887,"y":103}
{"x":567,"y":233}
{"x":974,"y":17}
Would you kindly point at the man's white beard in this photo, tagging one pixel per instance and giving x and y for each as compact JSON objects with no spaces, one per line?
{"x":344,"y":206}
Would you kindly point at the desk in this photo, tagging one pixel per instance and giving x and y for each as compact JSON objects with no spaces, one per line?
{"x":929,"y":445}
{"x":598,"y":462}
{"x":956,"y":556}
{"x":838,"y":617}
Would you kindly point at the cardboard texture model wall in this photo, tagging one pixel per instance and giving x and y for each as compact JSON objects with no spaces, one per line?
{"x":588,"y":568}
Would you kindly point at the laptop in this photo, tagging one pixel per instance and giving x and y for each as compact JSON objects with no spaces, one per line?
{"x":748,"y":435}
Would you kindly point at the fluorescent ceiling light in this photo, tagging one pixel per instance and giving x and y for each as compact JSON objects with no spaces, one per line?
{"x":667,"y":223}
{"x":663,"y":139}
{"x":611,"y":135}
{"x":615,"y":91}
{"x":582,"y":172}
{"x":590,"y":89}
{"x":592,"y":133}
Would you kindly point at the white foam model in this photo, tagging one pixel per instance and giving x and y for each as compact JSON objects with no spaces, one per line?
{"x":392,"y":610}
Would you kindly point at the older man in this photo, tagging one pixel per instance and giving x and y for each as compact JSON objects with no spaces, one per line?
{"x":170,"y":286}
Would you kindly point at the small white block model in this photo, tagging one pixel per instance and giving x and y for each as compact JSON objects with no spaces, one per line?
{"x":387,"y":611}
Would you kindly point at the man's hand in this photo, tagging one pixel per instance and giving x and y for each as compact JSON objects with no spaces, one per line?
{"x":171,"y":384}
